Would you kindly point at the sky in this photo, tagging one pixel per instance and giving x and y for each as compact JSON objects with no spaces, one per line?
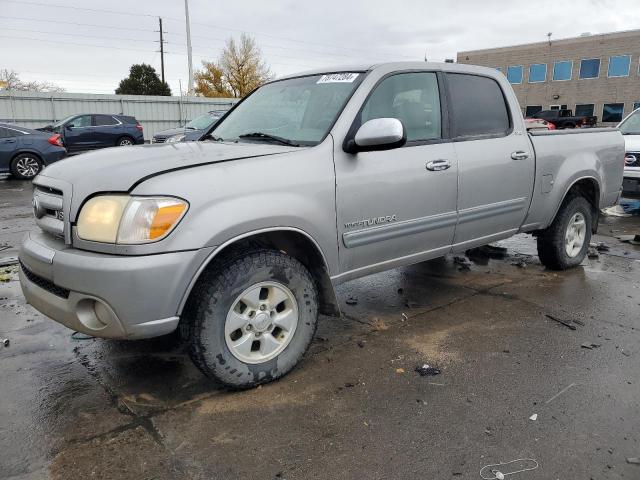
{"x":88,"y":46}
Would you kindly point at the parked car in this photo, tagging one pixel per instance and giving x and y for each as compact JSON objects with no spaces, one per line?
{"x":25,"y":152}
{"x":310,"y":181}
{"x":538,"y":124}
{"x":91,"y":131}
{"x":630,"y":128}
{"x":564,"y":118}
{"x":192,"y":131}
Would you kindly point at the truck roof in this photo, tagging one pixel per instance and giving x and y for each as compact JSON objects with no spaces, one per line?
{"x":392,"y":66}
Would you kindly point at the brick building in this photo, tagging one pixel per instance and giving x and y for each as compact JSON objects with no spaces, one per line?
{"x":591,"y":74}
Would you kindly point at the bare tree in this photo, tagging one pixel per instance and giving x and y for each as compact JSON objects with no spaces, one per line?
{"x":10,"y":80}
{"x":239,"y":70}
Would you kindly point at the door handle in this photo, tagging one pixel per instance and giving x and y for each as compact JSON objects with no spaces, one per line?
{"x":519,"y":155}
{"x":438,"y":165}
{"x":8,"y":140}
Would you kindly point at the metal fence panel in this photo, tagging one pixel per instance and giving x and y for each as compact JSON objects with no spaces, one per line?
{"x":32,"y":109}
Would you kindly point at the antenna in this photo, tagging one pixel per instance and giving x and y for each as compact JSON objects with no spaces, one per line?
{"x":549,"y":37}
{"x":425,"y":56}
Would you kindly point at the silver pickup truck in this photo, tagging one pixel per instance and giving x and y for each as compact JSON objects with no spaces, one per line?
{"x":312,"y":180}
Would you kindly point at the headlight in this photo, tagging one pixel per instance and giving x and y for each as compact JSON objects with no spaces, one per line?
{"x":175,"y":138}
{"x":126,"y":220}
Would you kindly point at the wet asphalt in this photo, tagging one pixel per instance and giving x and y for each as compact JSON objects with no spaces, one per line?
{"x":355,"y":408}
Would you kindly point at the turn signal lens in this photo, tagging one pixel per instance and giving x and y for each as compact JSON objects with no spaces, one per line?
{"x":150,"y":219}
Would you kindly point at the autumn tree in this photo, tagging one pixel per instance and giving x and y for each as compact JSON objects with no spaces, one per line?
{"x":143,"y":80}
{"x":239,"y":70}
{"x":10,"y":80}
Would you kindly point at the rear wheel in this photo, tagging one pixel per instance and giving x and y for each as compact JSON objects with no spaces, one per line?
{"x":25,"y":166}
{"x":565,"y":242}
{"x":251,"y":319}
{"x":124,"y":142}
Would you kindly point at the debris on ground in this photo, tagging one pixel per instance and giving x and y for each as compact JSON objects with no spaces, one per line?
{"x":615,"y":211}
{"x":632,"y":239}
{"x":352,"y":301}
{"x":463,"y":262}
{"x":633,"y":460}
{"x":399,"y":370}
{"x":590,"y":345}
{"x":519,"y":264}
{"x":534,"y":417}
{"x":579,"y":322}
{"x":602,"y":247}
{"x":559,"y":393}
{"x":5,"y":342}
{"x":524,"y":464}
{"x":593,"y":253}
{"x":378,"y":325}
{"x":7,"y":261}
{"x":404,"y":317}
{"x":427,"y":370}
{"x":563,"y":322}
{"x":361,"y":343}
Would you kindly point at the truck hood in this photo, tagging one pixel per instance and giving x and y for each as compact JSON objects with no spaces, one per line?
{"x":118,"y":169}
{"x":632,"y":143}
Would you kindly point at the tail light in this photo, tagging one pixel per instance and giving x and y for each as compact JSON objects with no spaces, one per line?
{"x":584,"y":121}
{"x":138,"y":126}
{"x":56,"y":140}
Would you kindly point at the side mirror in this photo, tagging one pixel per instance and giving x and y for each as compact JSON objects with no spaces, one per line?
{"x":378,"y":134}
{"x":68,"y":126}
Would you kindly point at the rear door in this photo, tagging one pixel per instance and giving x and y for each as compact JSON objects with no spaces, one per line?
{"x":78,"y":134}
{"x":495,"y":161}
{"x":394,"y":206}
{"x":107,"y":130}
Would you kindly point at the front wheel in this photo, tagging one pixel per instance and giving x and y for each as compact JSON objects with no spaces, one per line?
{"x":251,"y":319}
{"x":565,"y":243}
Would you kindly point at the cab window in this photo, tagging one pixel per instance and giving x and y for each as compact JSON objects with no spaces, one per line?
{"x":412,"y":98}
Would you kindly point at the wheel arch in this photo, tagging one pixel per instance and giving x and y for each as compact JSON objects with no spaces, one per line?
{"x":292,"y":241}
{"x":30,"y":151}
{"x":589,"y":188}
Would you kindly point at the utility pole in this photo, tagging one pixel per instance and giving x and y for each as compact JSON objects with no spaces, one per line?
{"x":186,"y":14}
{"x":161,"y":50}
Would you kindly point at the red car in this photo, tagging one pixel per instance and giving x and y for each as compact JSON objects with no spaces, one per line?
{"x":538,"y":124}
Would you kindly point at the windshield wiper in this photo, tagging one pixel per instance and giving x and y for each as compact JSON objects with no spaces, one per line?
{"x":266,"y":136}
{"x":209,"y":136}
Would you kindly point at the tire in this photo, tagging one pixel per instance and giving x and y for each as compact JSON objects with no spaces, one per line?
{"x":247,"y":356}
{"x":26,"y":166}
{"x":569,"y":125}
{"x":125,"y":142}
{"x":553,"y":248}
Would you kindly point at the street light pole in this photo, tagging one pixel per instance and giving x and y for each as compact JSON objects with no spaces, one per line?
{"x":186,"y":13}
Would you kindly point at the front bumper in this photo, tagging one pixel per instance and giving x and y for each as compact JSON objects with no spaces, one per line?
{"x":108,"y":296}
{"x":631,"y":183}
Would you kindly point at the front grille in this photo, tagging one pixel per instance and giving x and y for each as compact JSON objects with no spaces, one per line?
{"x":632,"y":159}
{"x":44,"y":283}
{"x":48,"y":210}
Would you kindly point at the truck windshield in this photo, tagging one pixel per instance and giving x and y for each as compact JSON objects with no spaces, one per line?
{"x":297,"y":110}
{"x":631,"y":125}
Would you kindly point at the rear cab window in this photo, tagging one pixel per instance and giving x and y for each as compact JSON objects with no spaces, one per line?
{"x":478,"y":107}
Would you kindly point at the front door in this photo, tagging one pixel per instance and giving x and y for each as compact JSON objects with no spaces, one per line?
{"x":78,"y":133}
{"x":399,"y":205}
{"x":496,"y":163}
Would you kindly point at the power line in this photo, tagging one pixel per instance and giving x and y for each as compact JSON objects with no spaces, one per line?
{"x":110,"y":27}
{"x":73,"y":7}
{"x":73,"y":43}
{"x":79,"y":35}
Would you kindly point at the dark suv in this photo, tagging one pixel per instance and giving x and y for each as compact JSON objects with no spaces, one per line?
{"x":91,"y":131}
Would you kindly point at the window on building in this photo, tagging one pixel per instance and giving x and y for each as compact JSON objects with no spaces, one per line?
{"x":514,"y":74}
{"x":562,"y":70}
{"x":478,"y":106}
{"x":584,"y":110}
{"x":612,"y":112}
{"x":413,"y":98}
{"x":619,"y":66}
{"x":531,"y":110}
{"x":636,"y":105}
{"x":590,"y":68}
{"x":537,"y":72}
